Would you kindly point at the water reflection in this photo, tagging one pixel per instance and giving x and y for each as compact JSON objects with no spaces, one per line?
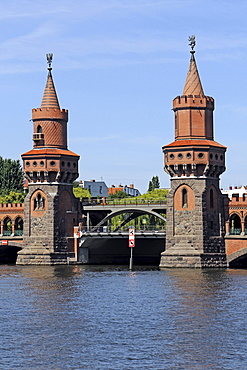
{"x":106,"y":317}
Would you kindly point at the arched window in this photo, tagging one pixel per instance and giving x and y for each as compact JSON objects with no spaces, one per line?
{"x":18,"y":226}
{"x":211,"y":197}
{"x":39,"y":129}
{"x":7,"y":227}
{"x":235,"y":224}
{"x":245,"y":225}
{"x":184,"y":198}
{"x":39,"y":202}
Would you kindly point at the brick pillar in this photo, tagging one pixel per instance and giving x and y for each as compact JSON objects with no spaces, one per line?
{"x":12,"y":227}
{"x":242,"y":227}
{"x":227,"y":227}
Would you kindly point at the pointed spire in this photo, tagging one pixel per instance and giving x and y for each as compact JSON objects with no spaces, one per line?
{"x":193,"y":85}
{"x":50,"y":99}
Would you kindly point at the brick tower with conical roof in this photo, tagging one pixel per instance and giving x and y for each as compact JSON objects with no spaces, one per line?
{"x":194,"y":161}
{"x":50,"y":208}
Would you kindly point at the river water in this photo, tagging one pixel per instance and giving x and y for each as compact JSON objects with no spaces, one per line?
{"x":88,"y":317}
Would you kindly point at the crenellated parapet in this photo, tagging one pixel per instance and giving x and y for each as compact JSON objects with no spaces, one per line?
{"x":49,"y":113}
{"x":193,"y":102}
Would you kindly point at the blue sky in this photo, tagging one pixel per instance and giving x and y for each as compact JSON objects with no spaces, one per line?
{"x":117,"y":66}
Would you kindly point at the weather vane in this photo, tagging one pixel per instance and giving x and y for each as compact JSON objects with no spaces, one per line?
{"x":49,"y":57}
{"x":192,"y":42}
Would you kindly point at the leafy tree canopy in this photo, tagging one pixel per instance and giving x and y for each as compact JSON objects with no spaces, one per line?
{"x":11,"y":176}
{"x":154,"y":194}
{"x":118,"y":194}
{"x":81,"y":193}
{"x":154,"y":183}
{"x":12,"y":197}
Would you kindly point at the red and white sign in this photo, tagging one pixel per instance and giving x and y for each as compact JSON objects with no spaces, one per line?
{"x":131,"y":238}
{"x":4,"y":242}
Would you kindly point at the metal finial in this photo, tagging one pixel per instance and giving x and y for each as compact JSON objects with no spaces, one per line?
{"x":192,"y":42}
{"x":49,"y":60}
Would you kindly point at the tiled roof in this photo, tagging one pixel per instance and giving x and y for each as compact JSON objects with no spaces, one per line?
{"x":193,"y":84}
{"x":50,"y":151}
{"x":50,"y":99}
{"x":194,"y":142}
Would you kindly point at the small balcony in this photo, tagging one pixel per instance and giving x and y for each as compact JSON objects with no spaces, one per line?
{"x":38,"y":137}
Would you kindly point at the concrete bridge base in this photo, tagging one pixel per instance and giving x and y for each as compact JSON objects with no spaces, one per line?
{"x":185,"y":256}
{"x":39,"y":258}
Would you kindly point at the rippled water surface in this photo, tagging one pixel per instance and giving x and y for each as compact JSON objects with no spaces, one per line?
{"x":81,"y":317}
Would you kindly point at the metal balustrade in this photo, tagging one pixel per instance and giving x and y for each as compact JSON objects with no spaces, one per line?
{"x":121,"y":202}
{"x":235,"y":231}
{"x":125,"y":229}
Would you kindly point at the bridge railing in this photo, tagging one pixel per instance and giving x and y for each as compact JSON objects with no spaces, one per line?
{"x":122,"y":201}
{"x":234,"y":231}
{"x":124,"y":229}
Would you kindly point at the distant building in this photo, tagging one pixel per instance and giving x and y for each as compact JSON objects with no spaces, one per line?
{"x":237,"y":211}
{"x":96,"y":188}
{"x":129,"y":190}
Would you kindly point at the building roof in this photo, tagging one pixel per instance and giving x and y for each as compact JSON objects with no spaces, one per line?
{"x":50,"y":99}
{"x":193,"y":85}
{"x":194,"y":142}
{"x":241,"y":190}
{"x":50,"y":152}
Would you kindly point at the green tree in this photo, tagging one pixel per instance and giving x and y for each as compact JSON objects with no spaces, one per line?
{"x":11,"y":176}
{"x":12,"y":197}
{"x":154,"y":183}
{"x":118,"y":194}
{"x":79,"y":192}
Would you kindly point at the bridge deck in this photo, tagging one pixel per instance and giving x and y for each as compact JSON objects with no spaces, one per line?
{"x":127,"y":205}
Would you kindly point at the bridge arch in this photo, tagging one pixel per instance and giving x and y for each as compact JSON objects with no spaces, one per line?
{"x":135,"y":213}
{"x":238,"y":258}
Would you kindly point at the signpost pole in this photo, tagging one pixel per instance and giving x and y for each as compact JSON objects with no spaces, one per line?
{"x":131,"y":259}
{"x":131,"y":245}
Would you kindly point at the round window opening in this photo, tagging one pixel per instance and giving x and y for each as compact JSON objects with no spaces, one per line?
{"x":200,"y":155}
{"x":52,"y":163}
{"x":27,"y":164}
{"x":216,"y":156}
{"x":63,"y":164}
{"x":180,"y":156}
{"x":42,"y":163}
{"x":68,"y":164}
{"x":171,"y":156}
{"x":211,"y":156}
{"x":221,"y":157}
{"x":188,"y":155}
{"x":34,"y":163}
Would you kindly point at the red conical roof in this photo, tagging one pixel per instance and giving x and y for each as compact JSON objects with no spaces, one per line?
{"x":50,"y":99}
{"x":193,"y":84}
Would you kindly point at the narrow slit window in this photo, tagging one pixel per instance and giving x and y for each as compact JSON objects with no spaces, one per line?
{"x":211,"y":198}
{"x":184,"y":198}
{"x":39,"y":129}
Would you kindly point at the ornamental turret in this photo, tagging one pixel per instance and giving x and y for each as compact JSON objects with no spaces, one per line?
{"x":50,"y":160}
{"x":195,"y":206}
{"x":50,"y":207}
{"x":194,"y":151}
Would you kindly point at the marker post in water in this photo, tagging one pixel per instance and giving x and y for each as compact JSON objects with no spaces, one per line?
{"x":131,"y":245}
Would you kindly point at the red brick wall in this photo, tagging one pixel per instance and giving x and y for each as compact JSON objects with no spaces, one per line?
{"x":178,"y":199}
